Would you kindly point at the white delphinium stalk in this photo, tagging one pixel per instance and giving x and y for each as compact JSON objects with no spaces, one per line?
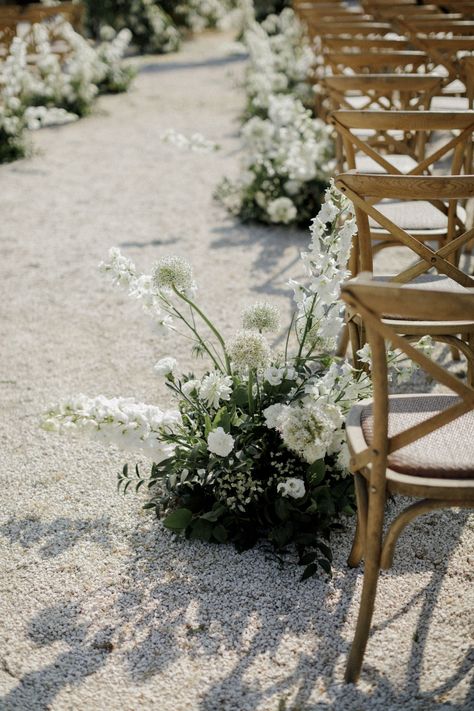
{"x":249,"y":350}
{"x":122,"y":422}
{"x":215,"y":388}
{"x":320,"y":312}
{"x":262,"y":316}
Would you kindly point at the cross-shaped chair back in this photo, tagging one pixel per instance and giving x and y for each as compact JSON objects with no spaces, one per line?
{"x":366,"y":191}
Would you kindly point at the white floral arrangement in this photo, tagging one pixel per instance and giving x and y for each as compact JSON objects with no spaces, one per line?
{"x":281,"y":61}
{"x":288,"y":159}
{"x":16,"y":116}
{"x":255,"y":448}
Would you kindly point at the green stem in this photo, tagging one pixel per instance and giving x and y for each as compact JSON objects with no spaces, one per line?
{"x":208,"y":323}
{"x":250,"y":392}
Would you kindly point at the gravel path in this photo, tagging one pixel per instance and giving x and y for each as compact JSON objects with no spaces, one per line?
{"x":100,"y":607}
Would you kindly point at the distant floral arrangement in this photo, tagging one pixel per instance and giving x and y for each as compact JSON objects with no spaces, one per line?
{"x":286,"y":166}
{"x":256,"y":446}
{"x":57,"y":88}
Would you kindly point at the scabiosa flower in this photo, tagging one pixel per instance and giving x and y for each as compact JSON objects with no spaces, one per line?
{"x":249,"y":350}
{"x":220,"y":443}
{"x":282,"y":210}
{"x":292,"y":488}
{"x":172,"y":272}
{"x":308,"y":430}
{"x":262,"y":317}
{"x":214,"y":388}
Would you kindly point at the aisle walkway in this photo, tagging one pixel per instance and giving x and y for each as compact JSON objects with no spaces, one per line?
{"x":101,"y":608}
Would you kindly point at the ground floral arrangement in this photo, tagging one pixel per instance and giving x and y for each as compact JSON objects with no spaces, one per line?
{"x":288,"y":155}
{"x":255,"y":448}
{"x":57,"y":88}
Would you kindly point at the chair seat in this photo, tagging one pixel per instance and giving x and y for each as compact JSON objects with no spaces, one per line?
{"x":414,"y":216}
{"x":447,"y":453}
{"x":366,"y":164}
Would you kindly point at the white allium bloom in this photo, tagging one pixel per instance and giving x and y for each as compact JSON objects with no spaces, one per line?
{"x":262,"y":316}
{"x":272,"y":415}
{"x":282,"y":210}
{"x":172,"y":272}
{"x":292,"y":488}
{"x":274,"y":375}
{"x":220,"y":443}
{"x":249,"y":350}
{"x":215,"y":388}
{"x":165,"y":366}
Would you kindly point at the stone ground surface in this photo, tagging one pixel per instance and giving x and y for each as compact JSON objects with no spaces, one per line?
{"x":101,"y":608}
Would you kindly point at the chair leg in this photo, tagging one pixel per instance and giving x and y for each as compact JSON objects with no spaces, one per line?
{"x":470,"y":360}
{"x":343,"y":342}
{"x":372,"y":551}
{"x":358,"y":545}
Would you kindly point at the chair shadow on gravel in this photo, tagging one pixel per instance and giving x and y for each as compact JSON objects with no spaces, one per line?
{"x":165,"y":66}
{"x":178,"y":598}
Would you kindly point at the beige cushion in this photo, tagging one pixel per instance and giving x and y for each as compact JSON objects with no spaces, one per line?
{"x":427,"y":281}
{"x":366,"y":164}
{"x":447,"y":453}
{"x":414,"y":216}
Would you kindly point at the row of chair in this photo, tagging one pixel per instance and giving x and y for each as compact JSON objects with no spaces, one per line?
{"x":395,"y":82}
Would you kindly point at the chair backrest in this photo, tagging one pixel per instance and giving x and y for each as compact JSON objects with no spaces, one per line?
{"x":374,"y":302}
{"x":354,"y":28}
{"x":373,"y":62}
{"x":366,"y":190}
{"x":453,"y":137}
{"x":12,"y":15}
{"x":334,"y":43}
{"x":383,"y":91}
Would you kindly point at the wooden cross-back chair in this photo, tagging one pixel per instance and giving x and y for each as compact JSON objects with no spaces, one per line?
{"x":405,"y":134}
{"x":13,"y":15}
{"x":367,"y":191}
{"x":393,"y":92}
{"x":417,"y":445}
{"x":354,"y":28}
{"x":410,"y":61}
{"x":334,"y":43}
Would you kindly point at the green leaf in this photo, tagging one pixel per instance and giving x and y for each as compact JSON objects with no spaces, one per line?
{"x":282,"y":509}
{"x":325,"y":565}
{"x":200,"y":529}
{"x":309,"y":571}
{"x":220,"y":533}
{"x":325,"y":550}
{"x":215,"y":514}
{"x":178,"y":520}
{"x":316,"y":472}
{"x":308,"y":558}
{"x":240,"y":396}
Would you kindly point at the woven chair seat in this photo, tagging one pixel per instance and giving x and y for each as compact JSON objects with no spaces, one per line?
{"x":366,"y":164}
{"x":447,"y":453}
{"x":414,"y":216}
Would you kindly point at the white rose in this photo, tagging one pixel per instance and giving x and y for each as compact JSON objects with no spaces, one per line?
{"x":190,"y":386}
{"x":293,"y":488}
{"x":220,"y":443}
{"x":274,"y":376}
{"x":165,"y":366}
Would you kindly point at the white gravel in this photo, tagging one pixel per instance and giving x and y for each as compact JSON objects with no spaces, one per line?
{"x":100,"y":607}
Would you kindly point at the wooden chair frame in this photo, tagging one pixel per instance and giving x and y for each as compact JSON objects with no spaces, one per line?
{"x":364,"y":190}
{"x":374,"y":478}
{"x":376,"y":63}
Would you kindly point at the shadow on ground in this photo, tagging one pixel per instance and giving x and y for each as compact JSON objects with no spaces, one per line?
{"x":179,"y":598}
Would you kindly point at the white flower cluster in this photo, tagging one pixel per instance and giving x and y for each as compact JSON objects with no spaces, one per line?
{"x":200,"y":14}
{"x":249,"y":350}
{"x":285,"y":155}
{"x":320,"y":311}
{"x":15,"y":95}
{"x":152,"y":28}
{"x":262,"y":317}
{"x":120,"y":421}
{"x":123,"y":273}
{"x":280,"y":61}
{"x":196,"y":143}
